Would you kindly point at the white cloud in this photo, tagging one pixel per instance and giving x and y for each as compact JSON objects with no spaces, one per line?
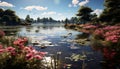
{"x":49,"y":13}
{"x":39,"y":8}
{"x":6,"y":4}
{"x":75,"y":2}
{"x":97,"y":11}
{"x":82,"y":3}
{"x":69,"y":5}
{"x":52,"y":13}
{"x":60,"y":14}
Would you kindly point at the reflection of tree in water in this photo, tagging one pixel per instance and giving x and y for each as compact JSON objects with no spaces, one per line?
{"x":50,"y":26}
{"x":111,"y":55}
{"x":110,"y":51}
{"x":82,"y":36}
{"x":11,"y":31}
{"x":28,"y":28}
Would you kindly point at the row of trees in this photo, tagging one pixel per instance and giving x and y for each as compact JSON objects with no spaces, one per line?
{"x":8,"y":17}
{"x":71,"y":20}
{"x":45,"y":20}
{"x":28,"y":19}
{"x":111,"y":13}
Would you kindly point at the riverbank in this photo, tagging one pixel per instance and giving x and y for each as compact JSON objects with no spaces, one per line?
{"x":105,"y":34}
{"x":104,"y":38}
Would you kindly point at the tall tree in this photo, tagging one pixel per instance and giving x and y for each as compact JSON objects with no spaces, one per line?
{"x":28,"y":19}
{"x":66,"y":20}
{"x":111,"y":12}
{"x":94,"y":18}
{"x":74,"y":20}
{"x":84,"y":14}
{"x":1,"y":14}
{"x":50,"y":19}
{"x":38,"y":19}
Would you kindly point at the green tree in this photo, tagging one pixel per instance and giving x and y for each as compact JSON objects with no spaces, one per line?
{"x":28,"y":19}
{"x":74,"y":20}
{"x":84,"y":14}
{"x":111,"y":13}
{"x":38,"y":19}
{"x":9,"y":12}
{"x":66,"y":21}
{"x":8,"y":17}
{"x":94,"y":18}
{"x":51,"y":20}
{"x":1,"y":14}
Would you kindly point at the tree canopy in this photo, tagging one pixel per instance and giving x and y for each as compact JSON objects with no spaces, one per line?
{"x":28,"y":19}
{"x":84,"y":14}
{"x":8,"y":17}
{"x":111,"y":13}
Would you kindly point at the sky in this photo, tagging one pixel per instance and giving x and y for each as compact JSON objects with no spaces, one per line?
{"x":57,"y":9}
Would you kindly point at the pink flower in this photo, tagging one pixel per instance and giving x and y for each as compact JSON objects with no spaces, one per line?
{"x":16,"y":42}
{"x":27,"y":49}
{"x":90,"y":27}
{"x":10,"y":49}
{"x":99,"y":32}
{"x":2,"y":50}
{"x":38,"y":57}
{"x":42,"y":53}
{"x":29,"y":56}
{"x":25,"y":39}
{"x":113,"y":38}
{"x":20,"y":41}
{"x":1,"y":46}
{"x":34,"y":51}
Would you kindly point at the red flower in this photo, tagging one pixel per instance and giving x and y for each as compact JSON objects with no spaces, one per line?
{"x":38,"y":57}
{"x":2,"y":50}
{"x":29,"y":56}
{"x":1,"y":46}
{"x":10,"y":49}
{"x":42,"y":53}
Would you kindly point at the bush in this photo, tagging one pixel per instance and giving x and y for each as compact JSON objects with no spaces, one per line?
{"x":19,"y":56}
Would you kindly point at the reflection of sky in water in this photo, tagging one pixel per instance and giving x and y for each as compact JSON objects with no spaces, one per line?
{"x":64,"y":45}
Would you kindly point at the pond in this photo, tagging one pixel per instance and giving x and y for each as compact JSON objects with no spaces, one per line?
{"x":61,"y":45}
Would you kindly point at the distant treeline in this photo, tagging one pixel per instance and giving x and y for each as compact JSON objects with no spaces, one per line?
{"x":46,"y":20}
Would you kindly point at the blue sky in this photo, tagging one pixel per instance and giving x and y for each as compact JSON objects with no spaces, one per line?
{"x":57,"y":9}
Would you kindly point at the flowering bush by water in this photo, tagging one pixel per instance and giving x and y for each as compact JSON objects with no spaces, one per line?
{"x":20,"y":56}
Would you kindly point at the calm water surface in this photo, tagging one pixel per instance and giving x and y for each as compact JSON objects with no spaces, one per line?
{"x":71,"y":55}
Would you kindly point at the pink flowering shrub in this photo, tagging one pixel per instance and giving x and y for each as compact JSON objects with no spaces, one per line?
{"x":108,"y":38}
{"x":20,"y":56}
{"x":109,"y":33}
{"x":90,"y":27}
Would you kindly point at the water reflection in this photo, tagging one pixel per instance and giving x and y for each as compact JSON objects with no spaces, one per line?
{"x":111,"y":56}
{"x":63,"y":51}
